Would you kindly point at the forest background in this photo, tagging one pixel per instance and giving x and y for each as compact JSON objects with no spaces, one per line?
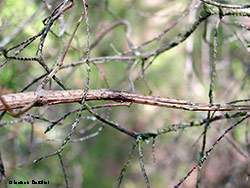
{"x":196,"y":51}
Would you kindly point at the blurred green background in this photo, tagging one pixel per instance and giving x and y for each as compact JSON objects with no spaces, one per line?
{"x":181,"y":73}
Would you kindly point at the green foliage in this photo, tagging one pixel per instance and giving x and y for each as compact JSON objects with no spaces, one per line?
{"x":7,"y":77}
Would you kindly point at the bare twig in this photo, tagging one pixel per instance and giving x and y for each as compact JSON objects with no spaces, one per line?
{"x":196,"y":123}
{"x":203,"y":159}
{"x":112,"y":124}
{"x":180,"y":39}
{"x":158,"y":37}
{"x":210,"y":95}
{"x":48,"y":97}
{"x":225,"y":5}
{"x":110,"y":28}
{"x":2,"y":173}
{"x":140,"y":141}
{"x":63,"y":169}
{"x":125,"y":165}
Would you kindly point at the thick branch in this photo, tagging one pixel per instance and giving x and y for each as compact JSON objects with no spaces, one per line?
{"x":47,"y":97}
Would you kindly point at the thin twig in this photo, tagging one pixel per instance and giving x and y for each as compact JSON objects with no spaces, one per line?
{"x":211,"y":99}
{"x":2,"y":172}
{"x":63,"y":169}
{"x":225,"y":5}
{"x":125,"y":165}
{"x":140,"y":141}
{"x":203,"y":159}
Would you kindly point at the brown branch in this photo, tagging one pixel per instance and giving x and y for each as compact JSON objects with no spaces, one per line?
{"x":46,"y":97}
{"x":109,"y":28}
{"x":178,"y":39}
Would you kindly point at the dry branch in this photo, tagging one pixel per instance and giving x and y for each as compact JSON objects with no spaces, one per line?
{"x":49,"y":97}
